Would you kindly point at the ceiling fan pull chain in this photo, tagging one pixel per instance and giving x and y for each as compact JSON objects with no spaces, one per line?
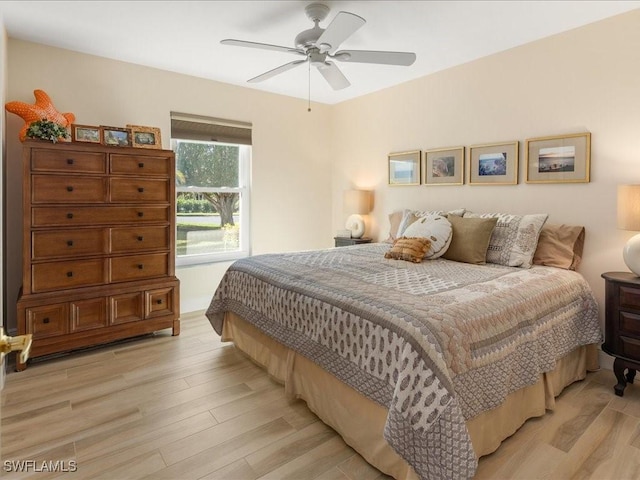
{"x":309,"y":104}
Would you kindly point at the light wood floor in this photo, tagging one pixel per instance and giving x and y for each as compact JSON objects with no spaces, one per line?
{"x":191,"y":407}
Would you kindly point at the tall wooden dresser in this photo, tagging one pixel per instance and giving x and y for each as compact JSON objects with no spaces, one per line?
{"x":98,"y":245}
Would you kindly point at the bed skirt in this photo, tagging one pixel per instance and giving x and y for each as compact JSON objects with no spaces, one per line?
{"x":320,"y":390}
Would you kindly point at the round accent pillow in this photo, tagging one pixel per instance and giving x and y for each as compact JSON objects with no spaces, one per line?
{"x":437,"y":229}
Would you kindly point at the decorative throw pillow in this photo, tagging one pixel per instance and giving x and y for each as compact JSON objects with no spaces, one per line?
{"x":434,"y":227}
{"x":470,"y":239}
{"x":560,"y":246}
{"x":409,"y":249}
{"x":394,"y":223}
{"x":514,"y":239}
{"x":410,"y":216}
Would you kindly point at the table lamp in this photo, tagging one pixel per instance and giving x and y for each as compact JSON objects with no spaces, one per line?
{"x":629,"y":219}
{"x":356,"y":203}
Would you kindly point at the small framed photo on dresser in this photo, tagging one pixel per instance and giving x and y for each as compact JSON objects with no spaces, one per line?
{"x":85,"y":133}
{"x":116,"y":137}
{"x":145,"y":137}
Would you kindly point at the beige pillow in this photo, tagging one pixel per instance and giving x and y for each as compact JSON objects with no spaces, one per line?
{"x":470,"y":239}
{"x":560,"y":246}
{"x":394,"y":223}
{"x":410,"y":216}
{"x":409,"y":249}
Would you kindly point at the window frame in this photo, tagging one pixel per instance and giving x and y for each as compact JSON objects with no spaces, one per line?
{"x":243,"y":189}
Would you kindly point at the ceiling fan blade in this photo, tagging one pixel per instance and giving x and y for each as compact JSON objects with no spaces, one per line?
{"x":276,"y":71}
{"x":263,"y":46}
{"x":341,"y":27}
{"x":333,"y":75}
{"x":372,"y":56}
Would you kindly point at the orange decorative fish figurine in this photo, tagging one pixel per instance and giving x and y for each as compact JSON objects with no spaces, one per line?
{"x":43,"y":109}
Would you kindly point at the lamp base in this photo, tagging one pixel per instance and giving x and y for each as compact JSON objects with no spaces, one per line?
{"x":631,"y":254}
{"x":355,"y":223}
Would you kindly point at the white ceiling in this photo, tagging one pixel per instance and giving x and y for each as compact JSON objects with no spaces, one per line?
{"x":184,"y":36}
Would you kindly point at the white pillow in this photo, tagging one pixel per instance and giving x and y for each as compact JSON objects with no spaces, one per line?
{"x":514,"y":239}
{"x":434,"y":227}
{"x":410,"y":216}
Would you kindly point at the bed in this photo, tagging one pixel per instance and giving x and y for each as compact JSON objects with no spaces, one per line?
{"x":421,"y":367}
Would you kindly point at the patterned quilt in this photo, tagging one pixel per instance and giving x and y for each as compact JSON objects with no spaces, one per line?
{"x":436,"y":343}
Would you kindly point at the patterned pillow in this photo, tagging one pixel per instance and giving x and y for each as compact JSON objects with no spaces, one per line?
{"x":410,"y":216}
{"x":514,"y":239}
{"x":434,"y":227}
{"x":409,"y":249}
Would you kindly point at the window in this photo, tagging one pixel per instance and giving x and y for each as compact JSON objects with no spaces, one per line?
{"x":213,"y":162}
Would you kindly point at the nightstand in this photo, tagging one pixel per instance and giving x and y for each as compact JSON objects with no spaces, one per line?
{"x":622,"y":325}
{"x":345,"y":241}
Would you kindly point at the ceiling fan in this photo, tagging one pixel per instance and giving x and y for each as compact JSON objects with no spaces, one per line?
{"x":319,"y":46}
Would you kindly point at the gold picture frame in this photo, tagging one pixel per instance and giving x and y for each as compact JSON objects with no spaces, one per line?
{"x":559,"y":158}
{"x":405,"y":168}
{"x":444,"y":166}
{"x":145,"y":137}
{"x":493,"y":164}
{"x":86,"y":133}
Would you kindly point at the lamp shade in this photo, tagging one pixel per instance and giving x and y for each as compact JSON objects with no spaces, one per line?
{"x":629,"y":207}
{"x":357,"y":201}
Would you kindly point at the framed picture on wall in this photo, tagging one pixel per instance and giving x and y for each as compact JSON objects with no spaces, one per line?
{"x":559,"y":159}
{"x":117,"y":137}
{"x":494,"y":164}
{"x":145,"y":137}
{"x":444,"y":166}
{"x":404,"y":168}
{"x":85,"y":133}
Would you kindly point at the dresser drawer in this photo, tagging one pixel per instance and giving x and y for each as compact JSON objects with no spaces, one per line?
{"x":630,"y":348}
{"x":68,"y":216}
{"x":61,"y":275}
{"x":47,"y":321}
{"x":68,"y":243}
{"x":139,"y":266}
{"x":126,"y":308}
{"x":68,"y":161}
{"x":159,"y":302}
{"x":62,"y":189}
{"x":88,"y":314}
{"x":135,"y":239}
{"x":629,"y":324}
{"x":139,"y":190}
{"x":140,"y":165}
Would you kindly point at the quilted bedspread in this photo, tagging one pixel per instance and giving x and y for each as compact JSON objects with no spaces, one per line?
{"x":436,"y":343}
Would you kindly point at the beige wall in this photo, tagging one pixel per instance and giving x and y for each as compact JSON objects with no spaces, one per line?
{"x":291,"y":183}
{"x":582,"y":80}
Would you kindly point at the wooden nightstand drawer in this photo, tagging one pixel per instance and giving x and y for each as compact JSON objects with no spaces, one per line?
{"x":135,"y":239}
{"x":630,"y":347}
{"x":61,"y":189}
{"x":68,"y":243}
{"x":140,"y":165}
{"x":630,"y":324}
{"x":63,"y":275}
{"x":139,"y":266}
{"x":629,"y":297}
{"x":138,"y":190}
{"x":47,"y":321}
{"x":43,"y":160}
{"x":61,"y":216}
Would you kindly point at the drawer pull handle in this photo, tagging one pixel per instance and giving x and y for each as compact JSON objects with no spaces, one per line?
{"x":69,"y":215}
{"x":140,"y":266}
{"x":45,"y":320}
{"x":69,"y":274}
{"x":69,"y":161}
{"x":141,"y":214}
{"x":140,"y":189}
{"x":140,"y":238}
{"x":69,"y":189}
{"x":141,"y":165}
{"x":70,"y":243}
{"x":159,"y":302}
